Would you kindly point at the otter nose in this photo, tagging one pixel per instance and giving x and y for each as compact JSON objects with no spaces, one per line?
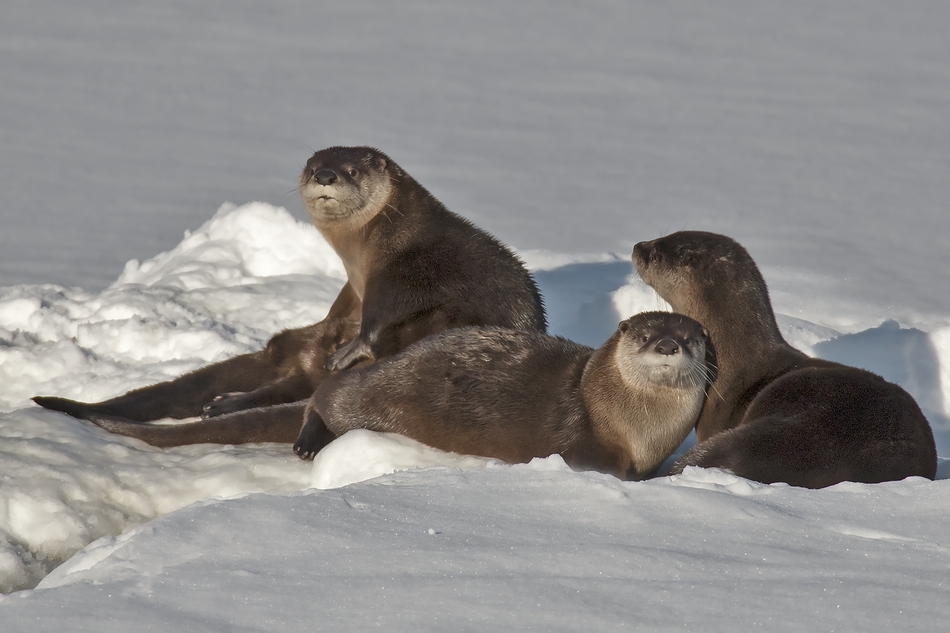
{"x":643,"y":251}
{"x":667,"y":347}
{"x":325,"y":176}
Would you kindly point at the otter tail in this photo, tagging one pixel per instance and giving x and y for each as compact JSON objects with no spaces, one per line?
{"x":268,"y":424}
{"x":74,"y":408}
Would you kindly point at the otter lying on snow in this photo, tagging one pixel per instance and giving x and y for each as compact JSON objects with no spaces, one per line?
{"x":413,"y":268}
{"x":775,"y":414}
{"x":621,"y":409}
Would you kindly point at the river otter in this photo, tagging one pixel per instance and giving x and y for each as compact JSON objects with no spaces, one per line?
{"x":774,"y":413}
{"x":413,"y":267}
{"x":513,"y":395}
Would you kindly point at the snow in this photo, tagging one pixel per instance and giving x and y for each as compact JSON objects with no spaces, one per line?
{"x":532,"y":547}
{"x":177,"y":533}
{"x":815,"y":134}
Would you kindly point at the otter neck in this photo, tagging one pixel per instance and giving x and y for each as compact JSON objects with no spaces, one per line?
{"x":350,"y":245}
{"x":645,"y":422}
{"x":739,"y":323}
{"x":745,"y":339}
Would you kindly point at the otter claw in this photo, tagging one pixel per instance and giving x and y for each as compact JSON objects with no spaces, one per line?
{"x":220,"y":405}
{"x":304,"y":452}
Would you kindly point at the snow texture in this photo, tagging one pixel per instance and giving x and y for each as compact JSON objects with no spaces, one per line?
{"x":816,"y":134}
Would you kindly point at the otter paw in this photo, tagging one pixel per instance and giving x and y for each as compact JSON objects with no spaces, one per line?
{"x":353,"y":352}
{"x":314,"y":435}
{"x":305,"y":447}
{"x":225,"y":403}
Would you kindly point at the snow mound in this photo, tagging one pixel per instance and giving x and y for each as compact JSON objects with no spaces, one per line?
{"x":360,"y":455}
{"x":534,"y":549}
{"x":236,"y":247}
{"x":224,"y":290}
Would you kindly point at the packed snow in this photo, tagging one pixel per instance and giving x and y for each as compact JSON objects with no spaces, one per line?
{"x":816,"y":134}
{"x":222,"y":291}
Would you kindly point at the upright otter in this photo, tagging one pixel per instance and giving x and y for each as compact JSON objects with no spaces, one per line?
{"x":515,"y":395}
{"x":774,"y":413}
{"x":413,"y":268}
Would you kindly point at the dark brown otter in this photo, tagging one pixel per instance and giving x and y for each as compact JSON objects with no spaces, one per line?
{"x":514,"y":395}
{"x":774,"y":413}
{"x":414,"y":268}
{"x":289,"y":368}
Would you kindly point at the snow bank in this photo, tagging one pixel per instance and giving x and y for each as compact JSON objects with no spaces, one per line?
{"x":534,"y":547}
{"x":224,"y":290}
{"x":236,"y":247}
{"x":360,"y":455}
{"x":246,"y":273}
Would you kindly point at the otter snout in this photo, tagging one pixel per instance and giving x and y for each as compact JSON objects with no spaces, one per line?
{"x":643,"y":253}
{"x":667,"y":347}
{"x":325,"y":176}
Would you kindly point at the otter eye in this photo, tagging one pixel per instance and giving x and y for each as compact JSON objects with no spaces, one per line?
{"x":352,"y":173}
{"x":655,"y":256}
{"x":644,"y":339}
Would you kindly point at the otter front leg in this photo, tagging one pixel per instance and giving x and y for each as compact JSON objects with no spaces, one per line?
{"x":381,"y":339}
{"x":372,"y":343}
{"x":350,"y":354}
{"x":289,"y":389}
{"x":314,"y":435}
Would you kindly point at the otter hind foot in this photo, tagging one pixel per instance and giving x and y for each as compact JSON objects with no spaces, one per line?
{"x":225,"y":403}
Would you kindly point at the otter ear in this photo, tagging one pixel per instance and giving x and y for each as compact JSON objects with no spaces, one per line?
{"x":706,"y":333}
{"x":624,"y":326}
{"x":382,"y":163}
{"x":689,"y":258}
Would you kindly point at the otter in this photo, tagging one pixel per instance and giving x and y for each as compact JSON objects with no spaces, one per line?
{"x":292,"y":363}
{"x":413,"y":268}
{"x":773,"y":413}
{"x":514,"y":395}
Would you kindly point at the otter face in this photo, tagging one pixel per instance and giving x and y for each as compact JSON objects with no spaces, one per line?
{"x":663,"y":348}
{"x":345,"y":187}
{"x":685,"y":267}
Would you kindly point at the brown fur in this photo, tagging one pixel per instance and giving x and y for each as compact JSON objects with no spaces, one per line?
{"x":774,"y":413}
{"x":414,"y":268}
{"x":621,"y":409}
{"x":289,"y":368}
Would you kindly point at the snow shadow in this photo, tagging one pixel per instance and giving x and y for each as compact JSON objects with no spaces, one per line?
{"x":578,"y":299}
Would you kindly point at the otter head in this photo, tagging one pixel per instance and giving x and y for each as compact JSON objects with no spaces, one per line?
{"x":712,"y":279}
{"x":694,"y":269}
{"x":663,"y":349}
{"x":343,"y":188}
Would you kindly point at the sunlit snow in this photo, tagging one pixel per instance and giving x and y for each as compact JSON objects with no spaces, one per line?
{"x":814,"y":133}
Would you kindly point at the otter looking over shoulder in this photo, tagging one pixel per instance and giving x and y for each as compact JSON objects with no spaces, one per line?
{"x":774,"y":413}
